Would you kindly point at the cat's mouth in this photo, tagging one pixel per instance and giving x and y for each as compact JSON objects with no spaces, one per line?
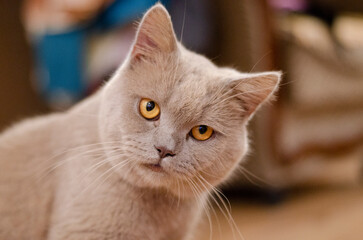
{"x":154,"y":167}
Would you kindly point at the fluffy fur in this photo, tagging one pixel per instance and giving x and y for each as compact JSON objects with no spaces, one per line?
{"x":81,"y":174}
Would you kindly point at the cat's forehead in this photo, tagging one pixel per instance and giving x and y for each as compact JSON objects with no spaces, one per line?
{"x":196,"y":78}
{"x":197,"y":95}
{"x":187,"y":75}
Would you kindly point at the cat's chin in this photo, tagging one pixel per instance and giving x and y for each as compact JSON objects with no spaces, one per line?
{"x":155,"y":173}
{"x":148,"y":175}
{"x":157,"y":177}
{"x":154,"y":167}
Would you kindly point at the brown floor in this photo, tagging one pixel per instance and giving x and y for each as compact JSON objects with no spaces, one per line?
{"x":312,"y":215}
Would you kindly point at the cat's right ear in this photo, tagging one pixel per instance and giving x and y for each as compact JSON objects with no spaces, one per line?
{"x":154,"y":35}
{"x":255,"y":89}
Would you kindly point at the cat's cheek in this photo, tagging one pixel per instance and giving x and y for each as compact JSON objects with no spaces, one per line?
{"x":226,"y":154}
{"x":201,"y":153}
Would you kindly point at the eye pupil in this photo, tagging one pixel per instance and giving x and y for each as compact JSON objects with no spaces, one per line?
{"x":150,"y":106}
{"x":202,"y":129}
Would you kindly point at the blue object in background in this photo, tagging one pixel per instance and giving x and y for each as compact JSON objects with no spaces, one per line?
{"x":124,"y":11}
{"x":59,"y":67}
{"x":60,"y":57}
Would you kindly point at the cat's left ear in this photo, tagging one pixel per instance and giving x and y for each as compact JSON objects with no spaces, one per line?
{"x":255,"y":89}
{"x":155,"y":34}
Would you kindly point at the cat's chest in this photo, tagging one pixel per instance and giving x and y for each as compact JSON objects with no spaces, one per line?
{"x":147,"y":214}
{"x":114,"y":208}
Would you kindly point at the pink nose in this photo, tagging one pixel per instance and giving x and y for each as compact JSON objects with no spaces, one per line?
{"x":164,"y":152}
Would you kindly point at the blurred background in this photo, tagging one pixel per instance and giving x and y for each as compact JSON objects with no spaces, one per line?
{"x":302,"y":179}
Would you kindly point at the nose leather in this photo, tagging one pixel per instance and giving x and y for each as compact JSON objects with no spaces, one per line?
{"x":164,"y":152}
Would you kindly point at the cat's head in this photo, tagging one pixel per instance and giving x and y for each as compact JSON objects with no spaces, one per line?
{"x":170,"y":118}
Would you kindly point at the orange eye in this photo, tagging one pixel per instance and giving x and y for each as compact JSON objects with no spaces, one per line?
{"x":202,"y":132}
{"x":149,"y":109}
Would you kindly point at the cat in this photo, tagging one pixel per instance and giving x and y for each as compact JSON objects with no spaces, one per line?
{"x":138,"y":159}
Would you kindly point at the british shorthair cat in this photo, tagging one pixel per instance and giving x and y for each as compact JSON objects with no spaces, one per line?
{"x":137,"y":159}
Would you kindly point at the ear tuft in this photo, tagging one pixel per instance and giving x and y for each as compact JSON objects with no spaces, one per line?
{"x":255,"y":89}
{"x":155,"y":33}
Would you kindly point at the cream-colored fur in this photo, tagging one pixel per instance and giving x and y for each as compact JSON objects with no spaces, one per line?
{"x":81,"y":174}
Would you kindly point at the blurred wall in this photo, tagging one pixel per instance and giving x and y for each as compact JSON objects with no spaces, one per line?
{"x":17,"y":97}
